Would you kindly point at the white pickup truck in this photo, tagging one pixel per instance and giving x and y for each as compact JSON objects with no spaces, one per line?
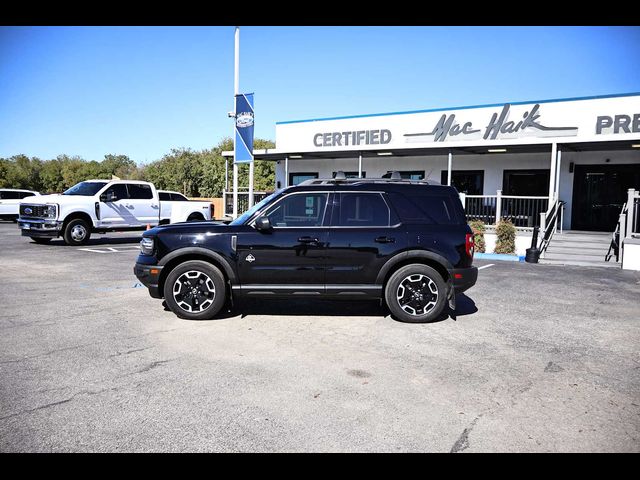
{"x":100,"y":206}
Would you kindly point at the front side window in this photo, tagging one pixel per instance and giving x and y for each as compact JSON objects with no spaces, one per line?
{"x":119,"y":190}
{"x":140,"y":191}
{"x":361,"y":210}
{"x":298,"y":210}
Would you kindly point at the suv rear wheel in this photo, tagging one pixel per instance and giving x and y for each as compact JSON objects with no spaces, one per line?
{"x":195,"y":290}
{"x":416,"y":294}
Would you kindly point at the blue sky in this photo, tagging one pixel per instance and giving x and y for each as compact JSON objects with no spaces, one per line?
{"x":141,"y":91}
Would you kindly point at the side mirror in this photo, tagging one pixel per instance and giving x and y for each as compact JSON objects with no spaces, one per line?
{"x":263,"y":223}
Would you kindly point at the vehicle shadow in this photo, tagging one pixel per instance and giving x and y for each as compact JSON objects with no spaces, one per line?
{"x":101,"y":241}
{"x":332,"y":308}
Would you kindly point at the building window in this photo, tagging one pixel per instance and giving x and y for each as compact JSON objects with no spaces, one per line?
{"x":297,"y":178}
{"x":407,"y":174}
{"x":350,"y":174}
{"x":526,"y":183}
{"x":470,"y":182}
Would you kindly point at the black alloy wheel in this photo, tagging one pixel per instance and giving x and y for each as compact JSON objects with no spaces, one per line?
{"x":416,"y":294}
{"x":195,"y":290}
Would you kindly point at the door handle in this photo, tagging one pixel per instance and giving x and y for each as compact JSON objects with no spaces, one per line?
{"x":128,"y":205}
{"x":307,"y":240}
{"x":385,"y":240}
{"x":154,"y":205}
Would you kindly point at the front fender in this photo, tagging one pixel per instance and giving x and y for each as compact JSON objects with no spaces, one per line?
{"x":205,"y":252}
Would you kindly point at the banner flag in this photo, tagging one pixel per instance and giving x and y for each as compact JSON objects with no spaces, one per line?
{"x":244,"y":128}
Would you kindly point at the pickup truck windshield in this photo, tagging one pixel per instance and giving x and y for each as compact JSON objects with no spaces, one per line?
{"x":87,"y":189}
{"x":247,"y":215}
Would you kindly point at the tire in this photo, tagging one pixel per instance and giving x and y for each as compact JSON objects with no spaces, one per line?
{"x":195,"y":277}
{"x":195,"y":217}
{"x":77,"y":232}
{"x":40,"y":240}
{"x":416,"y":293}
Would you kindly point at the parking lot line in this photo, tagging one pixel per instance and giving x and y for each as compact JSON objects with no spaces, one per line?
{"x":486,"y":266}
{"x":110,"y":249}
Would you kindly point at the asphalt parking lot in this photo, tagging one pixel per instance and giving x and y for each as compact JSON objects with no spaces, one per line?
{"x":539,"y":358}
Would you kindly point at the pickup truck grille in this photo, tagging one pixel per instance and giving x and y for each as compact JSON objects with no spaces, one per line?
{"x":37,"y":211}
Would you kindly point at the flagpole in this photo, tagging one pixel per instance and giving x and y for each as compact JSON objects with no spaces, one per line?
{"x":236,"y":88}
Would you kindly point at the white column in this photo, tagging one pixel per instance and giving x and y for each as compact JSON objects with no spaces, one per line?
{"x":360,"y":165}
{"x":631,"y":214}
{"x":498,"y":205}
{"x":558,"y":173}
{"x":226,"y":173}
{"x":251,"y":184}
{"x":235,"y":189}
{"x":552,"y":172}
{"x":449,"y":168}
{"x":286,"y":171}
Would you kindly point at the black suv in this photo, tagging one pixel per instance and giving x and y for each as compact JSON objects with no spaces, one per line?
{"x":404,"y":242}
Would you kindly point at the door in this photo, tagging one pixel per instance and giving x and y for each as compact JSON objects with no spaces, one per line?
{"x":290,"y":256}
{"x":599,"y":192}
{"x":143,"y":207}
{"x":115,"y":213}
{"x":362,"y":238}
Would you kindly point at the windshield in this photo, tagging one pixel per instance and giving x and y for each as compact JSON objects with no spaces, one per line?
{"x":249,"y":213}
{"x":87,"y":189}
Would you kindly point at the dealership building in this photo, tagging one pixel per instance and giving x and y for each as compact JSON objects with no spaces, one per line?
{"x":575,"y":158}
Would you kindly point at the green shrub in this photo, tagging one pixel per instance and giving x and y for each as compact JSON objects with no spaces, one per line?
{"x":478,"y":228}
{"x":506,"y":237}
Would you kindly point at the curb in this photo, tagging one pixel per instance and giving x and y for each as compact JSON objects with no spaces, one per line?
{"x":499,"y":256}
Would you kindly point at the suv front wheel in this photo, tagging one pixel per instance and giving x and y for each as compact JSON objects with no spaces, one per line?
{"x":195,"y":290}
{"x":416,"y":293}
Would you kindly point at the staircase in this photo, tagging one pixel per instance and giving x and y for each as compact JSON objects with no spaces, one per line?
{"x":573,"y":247}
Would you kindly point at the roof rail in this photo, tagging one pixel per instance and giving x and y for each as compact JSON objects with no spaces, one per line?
{"x":358,"y":181}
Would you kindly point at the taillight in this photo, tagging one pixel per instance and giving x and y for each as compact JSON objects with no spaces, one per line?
{"x":212,"y":210}
{"x":469,"y":245}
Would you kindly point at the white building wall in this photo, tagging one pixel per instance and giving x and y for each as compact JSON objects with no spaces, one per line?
{"x":493,"y":165}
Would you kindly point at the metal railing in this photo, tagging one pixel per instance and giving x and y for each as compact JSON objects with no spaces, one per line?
{"x":522,"y":211}
{"x":243,"y":201}
{"x":549,"y":224}
{"x":628,"y":225}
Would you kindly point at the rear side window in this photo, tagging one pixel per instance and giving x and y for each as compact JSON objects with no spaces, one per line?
{"x":140,"y":191}
{"x":164,"y":196}
{"x":26,"y":194}
{"x":425,"y":208}
{"x":11,"y":195}
{"x":361,"y":210}
{"x":176,"y":197}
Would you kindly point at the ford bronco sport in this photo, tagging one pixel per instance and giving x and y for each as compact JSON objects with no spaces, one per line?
{"x":404,"y":242}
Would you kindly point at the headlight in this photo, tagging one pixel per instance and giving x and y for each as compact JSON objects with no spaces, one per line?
{"x":146,"y":246}
{"x":51,"y":211}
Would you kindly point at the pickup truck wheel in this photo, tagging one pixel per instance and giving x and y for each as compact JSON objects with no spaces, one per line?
{"x":195,"y":290}
{"x":416,"y":293}
{"x":77,"y":232}
{"x":195,"y":217}
{"x":40,"y":240}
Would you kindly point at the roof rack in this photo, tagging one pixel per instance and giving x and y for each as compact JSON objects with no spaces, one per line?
{"x":340,"y":178}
